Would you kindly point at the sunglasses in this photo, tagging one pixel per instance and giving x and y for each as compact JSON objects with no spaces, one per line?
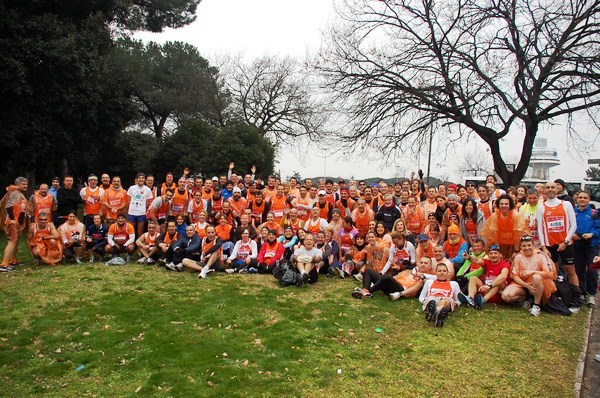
{"x":493,"y":247}
{"x":470,"y":185}
{"x":526,"y":239}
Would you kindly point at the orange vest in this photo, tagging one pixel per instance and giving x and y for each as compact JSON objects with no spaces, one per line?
{"x":43,"y":204}
{"x":440,"y":289}
{"x":452,"y":250}
{"x":313,"y":228}
{"x":257,"y":211}
{"x":224,"y":232}
{"x":151,"y":239}
{"x":486,"y":208}
{"x":362,"y":221}
{"x":180,"y":201}
{"x":303,"y":214}
{"x":196,"y":208}
{"x":238,"y":206}
{"x":201,"y":229}
{"x":115,"y":199}
{"x":91,"y":200}
{"x":555,"y":224}
{"x":206,"y":246}
{"x":414,"y":222}
{"x":278,"y":205}
{"x":207,"y":195}
{"x":161,"y":212}
{"x":170,"y":239}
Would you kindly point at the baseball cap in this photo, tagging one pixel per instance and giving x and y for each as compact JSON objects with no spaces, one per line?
{"x":422,"y":237}
{"x":493,"y":248}
{"x":322,"y":192}
{"x":215,"y":178}
{"x":237,"y":189}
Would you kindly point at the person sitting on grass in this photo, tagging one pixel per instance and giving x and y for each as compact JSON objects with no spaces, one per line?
{"x":43,"y":240}
{"x":186,"y":247}
{"x":305,"y":259}
{"x":407,"y":283}
{"x":210,"y":256}
{"x":165,"y":241}
{"x":491,"y":283}
{"x":532,"y":273}
{"x":439,"y":296}
{"x":147,"y":244}
{"x":121,"y":238}
{"x":244,"y":254}
{"x":72,"y":235}
{"x":95,"y":239}
{"x":401,"y":255}
{"x":471,"y":268}
{"x":355,"y":258}
{"x":270,"y":253}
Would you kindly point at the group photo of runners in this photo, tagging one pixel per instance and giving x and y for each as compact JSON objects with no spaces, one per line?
{"x":447,"y":245}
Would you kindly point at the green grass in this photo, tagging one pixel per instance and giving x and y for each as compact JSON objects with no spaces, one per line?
{"x":143,"y":331}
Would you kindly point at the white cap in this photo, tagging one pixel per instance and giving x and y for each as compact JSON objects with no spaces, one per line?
{"x":236,"y":189}
{"x":322,"y":192}
{"x":215,"y":178}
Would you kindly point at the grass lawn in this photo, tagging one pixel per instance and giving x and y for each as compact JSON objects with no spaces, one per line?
{"x":91,"y":330}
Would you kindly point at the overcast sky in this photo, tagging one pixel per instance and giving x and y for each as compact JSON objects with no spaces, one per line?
{"x":295,"y":28}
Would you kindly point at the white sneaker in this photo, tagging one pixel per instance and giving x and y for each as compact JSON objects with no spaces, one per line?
{"x":91,"y":259}
{"x":395,"y":296}
{"x":171,"y":266}
{"x":150,"y":261}
{"x":142,"y":260}
{"x":202,"y":274}
{"x":230,"y":270}
{"x":575,"y":310}
{"x":78,"y":260}
{"x":591,"y":300}
{"x":179,"y":267}
{"x":535,"y":310}
{"x":340,"y":273}
{"x":358,"y":277}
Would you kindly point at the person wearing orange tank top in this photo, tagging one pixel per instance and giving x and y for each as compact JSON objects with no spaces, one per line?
{"x":362,"y":215}
{"x":147,"y":244}
{"x":556,"y":226}
{"x":180,"y":200}
{"x":114,"y":201}
{"x":91,"y":196}
{"x":439,"y":296}
{"x":43,"y":240}
{"x":42,"y":201}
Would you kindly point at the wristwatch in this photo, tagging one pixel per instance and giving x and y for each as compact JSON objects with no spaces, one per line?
{"x":567,"y":242}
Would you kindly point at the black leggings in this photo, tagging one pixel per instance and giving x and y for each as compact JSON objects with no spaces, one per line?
{"x":386,"y":283}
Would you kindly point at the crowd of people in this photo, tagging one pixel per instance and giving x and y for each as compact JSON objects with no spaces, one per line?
{"x":448,"y":245}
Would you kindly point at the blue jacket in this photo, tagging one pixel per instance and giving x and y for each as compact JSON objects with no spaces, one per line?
{"x":188,"y":245}
{"x":586,"y":224}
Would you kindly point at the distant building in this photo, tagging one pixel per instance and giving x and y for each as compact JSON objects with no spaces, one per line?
{"x":542,"y":159}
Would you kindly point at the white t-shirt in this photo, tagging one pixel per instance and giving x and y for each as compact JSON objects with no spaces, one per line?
{"x":139,"y":196}
{"x":313,"y":253}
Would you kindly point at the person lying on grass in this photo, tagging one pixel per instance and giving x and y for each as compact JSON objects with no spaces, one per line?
{"x":439,"y":296}
{"x":491,"y":283}
{"x":532,"y":272}
{"x":407,"y":283}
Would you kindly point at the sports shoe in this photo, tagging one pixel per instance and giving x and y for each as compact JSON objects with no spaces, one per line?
{"x":150,"y":260}
{"x":358,"y":277}
{"x":535,"y":310}
{"x":252,"y":270}
{"x":305,"y":278}
{"x":527,"y":304}
{"x":331,"y":272}
{"x":142,"y":260}
{"x":243,"y":270}
{"x":340,"y":273}
{"x":179,"y":267}
{"x":359,"y":293}
{"x":440,"y":317}
{"x":6,"y":268}
{"x":466,"y":300}
{"x":479,"y":301}
{"x":575,"y":310}
{"x":430,"y":310}
{"x":91,"y":258}
{"x":591,"y":300}
{"x":395,"y":296}
{"x":171,"y":266}
{"x":17,"y":263}
{"x":78,"y":260}
{"x":36,"y":261}
{"x":230,"y":270}
{"x":203,"y":273}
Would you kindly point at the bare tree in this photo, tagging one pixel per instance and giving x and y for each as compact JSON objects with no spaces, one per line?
{"x":475,"y":163}
{"x":402,"y":67}
{"x":276,"y":95}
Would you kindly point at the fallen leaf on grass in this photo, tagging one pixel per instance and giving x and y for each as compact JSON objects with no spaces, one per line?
{"x":138,"y":389}
{"x":246,"y":363}
{"x":210,"y":384}
{"x":58,"y":350}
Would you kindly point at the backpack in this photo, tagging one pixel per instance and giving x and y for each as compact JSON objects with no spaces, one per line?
{"x":569,"y":293}
{"x":287,"y":274}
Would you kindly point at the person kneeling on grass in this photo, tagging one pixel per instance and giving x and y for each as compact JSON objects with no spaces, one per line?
{"x":439,"y":296}
{"x":532,"y":272}
{"x":406,"y":283}
{"x":185,"y":247}
{"x":210,"y":256}
{"x":493,"y":281}
{"x":305,"y":259}
{"x":271,"y":251}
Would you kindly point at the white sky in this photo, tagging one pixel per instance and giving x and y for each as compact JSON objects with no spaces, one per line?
{"x":294,"y":28}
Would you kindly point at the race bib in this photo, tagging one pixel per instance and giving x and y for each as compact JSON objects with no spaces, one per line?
{"x":556,"y":224}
